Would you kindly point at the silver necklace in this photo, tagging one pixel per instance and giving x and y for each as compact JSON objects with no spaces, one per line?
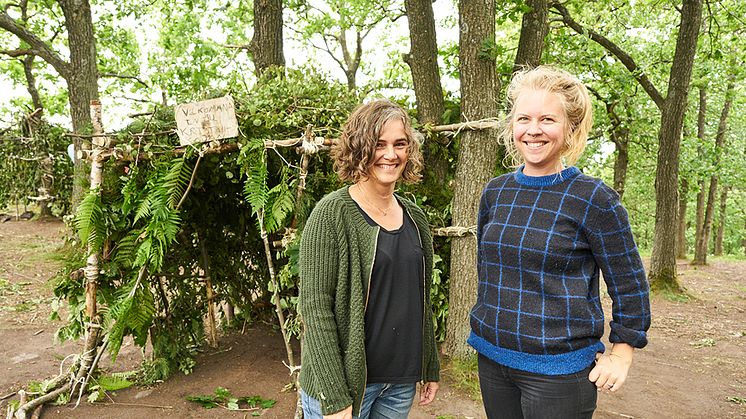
{"x":384,"y":211}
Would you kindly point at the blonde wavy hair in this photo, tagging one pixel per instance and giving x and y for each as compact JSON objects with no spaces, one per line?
{"x":354,"y":153}
{"x":574,"y":99}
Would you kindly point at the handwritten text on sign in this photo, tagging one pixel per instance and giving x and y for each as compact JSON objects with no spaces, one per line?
{"x":204,"y":121}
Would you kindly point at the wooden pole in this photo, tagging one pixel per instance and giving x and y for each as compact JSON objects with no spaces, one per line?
{"x":91,"y":269}
{"x":469,"y":125}
{"x":212,"y":328}
{"x":276,"y":295}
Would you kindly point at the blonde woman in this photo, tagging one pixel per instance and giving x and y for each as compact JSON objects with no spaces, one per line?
{"x":545,"y":234}
{"x":365,"y":265}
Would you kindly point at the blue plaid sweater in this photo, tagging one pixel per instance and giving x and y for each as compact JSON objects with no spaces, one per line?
{"x":541,"y":244}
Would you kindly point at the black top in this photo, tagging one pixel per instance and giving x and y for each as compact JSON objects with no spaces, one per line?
{"x":393,"y":317}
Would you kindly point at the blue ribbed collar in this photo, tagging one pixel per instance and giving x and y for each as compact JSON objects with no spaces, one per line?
{"x":547,"y":180}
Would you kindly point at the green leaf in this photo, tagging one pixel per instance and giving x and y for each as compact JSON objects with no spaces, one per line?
{"x":112,"y":383}
{"x":223,"y":393}
{"x":205,"y":401}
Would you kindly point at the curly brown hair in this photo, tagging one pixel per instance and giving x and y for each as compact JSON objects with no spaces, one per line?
{"x":355,"y":151}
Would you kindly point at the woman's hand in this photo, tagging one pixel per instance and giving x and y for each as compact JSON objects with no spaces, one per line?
{"x":427,"y":392}
{"x":342,"y":414}
{"x":612,"y":367}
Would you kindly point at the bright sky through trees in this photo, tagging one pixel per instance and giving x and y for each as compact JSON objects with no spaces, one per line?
{"x":383,"y":43}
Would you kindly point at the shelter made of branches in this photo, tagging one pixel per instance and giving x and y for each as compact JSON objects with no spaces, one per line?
{"x":177,"y":237}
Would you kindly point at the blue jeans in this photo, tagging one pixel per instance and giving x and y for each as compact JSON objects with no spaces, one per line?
{"x":509,"y":393}
{"x":381,"y":401}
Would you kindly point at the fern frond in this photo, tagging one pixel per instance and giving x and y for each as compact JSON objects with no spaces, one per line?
{"x":124,"y":252}
{"x":157,"y":253}
{"x":171,"y":226}
{"x":132,"y":313}
{"x":130,"y":193}
{"x":255,"y":189}
{"x":283,"y":203}
{"x":89,"y":218}
{"x":176,"y":180}
{"x":143,"y":210}
{"x":118,"y":327}
{"x":144,"y":253}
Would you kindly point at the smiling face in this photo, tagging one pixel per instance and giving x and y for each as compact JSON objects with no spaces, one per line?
{"x":539,"y":129}
{"x":391,"y":154}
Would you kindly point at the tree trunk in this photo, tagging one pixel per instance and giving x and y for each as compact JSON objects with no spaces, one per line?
{"x":46,"y":187}
{"x":266,"y":45}
{"x":534,"y":29}
{"x":80,"y":73}
{"x":422,"y":60}
{"x":681,"y":247}
{"x":699,"y":254}
{"x":699,"y":223}
{"x":620,"y":136}
{"x":33,"y":121}
{"x":28,"y":70}
{"x":718,"y":251}
{"x":707,"y":224}
{"x":82,"y":78}
{"x":702,"y":250}
{"x":476,"y":163}
{"x":743,"y":240}
{"x":663,"y":257}
{"x":351,"y":59}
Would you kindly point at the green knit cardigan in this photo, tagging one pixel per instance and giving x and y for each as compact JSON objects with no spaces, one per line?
{"x":336,"y":255}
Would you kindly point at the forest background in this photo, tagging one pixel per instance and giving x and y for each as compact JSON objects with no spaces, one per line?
{"x":167,"y":234}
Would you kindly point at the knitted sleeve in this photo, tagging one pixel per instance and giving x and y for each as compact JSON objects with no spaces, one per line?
{"x":482,"y":218}
{"x":322,"y":360}
{"x":615,"y":251}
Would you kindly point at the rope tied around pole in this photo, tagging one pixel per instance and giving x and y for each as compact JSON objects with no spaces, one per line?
{"x":311,"y":145}
{"x":288,"y":237}
{"x":455,"y":231}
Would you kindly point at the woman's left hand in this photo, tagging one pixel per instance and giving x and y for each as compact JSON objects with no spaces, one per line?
{"x":428,"y":391}
{"x":612,"y":367}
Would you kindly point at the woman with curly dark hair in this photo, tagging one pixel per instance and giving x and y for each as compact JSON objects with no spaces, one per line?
{"x":365,"y":265}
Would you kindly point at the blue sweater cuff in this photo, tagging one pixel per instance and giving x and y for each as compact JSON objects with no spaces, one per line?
{"x":558,"y":364}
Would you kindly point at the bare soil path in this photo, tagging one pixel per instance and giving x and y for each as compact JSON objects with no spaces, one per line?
{"x":694,"y":366}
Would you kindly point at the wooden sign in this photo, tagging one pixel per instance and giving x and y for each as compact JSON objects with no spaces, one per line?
{"x":205,"y":121}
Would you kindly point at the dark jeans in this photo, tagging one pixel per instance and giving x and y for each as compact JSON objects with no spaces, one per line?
{"x":513,"y":394}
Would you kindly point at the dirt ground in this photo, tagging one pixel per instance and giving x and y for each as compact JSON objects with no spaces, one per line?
{"x":693,"y":367}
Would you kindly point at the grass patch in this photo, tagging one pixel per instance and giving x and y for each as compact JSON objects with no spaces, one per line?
{"x":678,"y":297}
{"x":671,"y":291}
{"x":703,"y":343}
{"x":7,"y":287}
{"x":464,"y":375}
{"x":740,"y":257}
{"x":44,"y":254}
{"x":23,"y":306}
